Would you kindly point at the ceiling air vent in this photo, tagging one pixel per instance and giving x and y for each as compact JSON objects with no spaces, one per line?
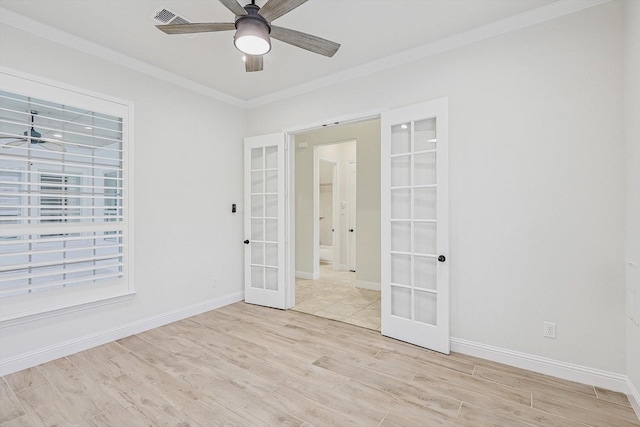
{"x":162,"y":16}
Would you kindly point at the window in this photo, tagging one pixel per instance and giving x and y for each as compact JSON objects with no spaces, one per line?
{"x":64,"y":210}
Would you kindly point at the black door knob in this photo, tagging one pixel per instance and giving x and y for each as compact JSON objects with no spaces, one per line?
{"x":441,"y":258}
{"x":246,"y":242}
{"x":351,"y":230}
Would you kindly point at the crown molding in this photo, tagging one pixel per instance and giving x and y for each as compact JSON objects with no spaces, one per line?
{"x":503,"y":26}
{"x":496,"y":28}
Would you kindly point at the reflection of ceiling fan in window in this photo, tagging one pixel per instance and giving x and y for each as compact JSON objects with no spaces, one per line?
{"x":34,"y":137}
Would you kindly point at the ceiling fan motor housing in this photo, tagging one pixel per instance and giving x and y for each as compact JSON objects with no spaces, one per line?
{"x":252,"y":32}
{"x":34,"y":134}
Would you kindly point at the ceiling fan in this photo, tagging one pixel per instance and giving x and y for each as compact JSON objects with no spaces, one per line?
{"x":253,"y":30}
{"x":34,"y":138}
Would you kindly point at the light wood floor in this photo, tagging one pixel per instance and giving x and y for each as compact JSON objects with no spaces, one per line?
{"x":245,"y":365}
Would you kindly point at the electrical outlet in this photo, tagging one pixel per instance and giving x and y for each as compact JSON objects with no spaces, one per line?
{"x":549,"y":330}
{"x":214,"y":282}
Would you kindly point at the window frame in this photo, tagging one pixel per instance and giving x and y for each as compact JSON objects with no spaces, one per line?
{"x":26,"y":307}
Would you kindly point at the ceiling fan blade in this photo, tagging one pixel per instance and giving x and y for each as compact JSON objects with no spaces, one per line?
{"x":53,"y":146}
{"x":234,"y":7}
{"x":204,"y":27}
{"x":274,"y":9}
{"x":305,"y":41}
{"x":15,"y":143}
{"x":253,"y":63}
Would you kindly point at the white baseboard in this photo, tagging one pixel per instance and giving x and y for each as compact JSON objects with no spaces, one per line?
{"x":47,"y":354}
{"x":363,"y":284}
{"x":634,"y":397}
{"x":306,"y":275}
{"x":543,"y":365}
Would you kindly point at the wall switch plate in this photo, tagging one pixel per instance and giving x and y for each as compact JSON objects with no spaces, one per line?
{"x":549,"y":330}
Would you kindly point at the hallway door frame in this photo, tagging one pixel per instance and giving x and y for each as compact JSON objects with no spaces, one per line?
{"x":290,"y":231}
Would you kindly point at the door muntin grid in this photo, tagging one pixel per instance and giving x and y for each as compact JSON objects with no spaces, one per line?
{"x":413,"y":228}
{"x":264,"y":246}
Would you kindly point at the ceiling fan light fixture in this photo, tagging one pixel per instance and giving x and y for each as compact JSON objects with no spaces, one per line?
{"x":252,"y":36}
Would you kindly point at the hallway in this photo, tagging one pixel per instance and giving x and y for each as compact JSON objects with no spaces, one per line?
{"x":335,"y":296}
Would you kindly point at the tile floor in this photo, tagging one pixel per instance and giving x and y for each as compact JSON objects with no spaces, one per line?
{"x":335,"y":296}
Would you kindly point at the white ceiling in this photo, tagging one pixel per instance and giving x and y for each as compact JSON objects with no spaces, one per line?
{"x":367,"y":29}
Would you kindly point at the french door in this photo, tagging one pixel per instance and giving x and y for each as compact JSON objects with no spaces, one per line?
{"x":264,"y":220}
{"x":414,"y":235}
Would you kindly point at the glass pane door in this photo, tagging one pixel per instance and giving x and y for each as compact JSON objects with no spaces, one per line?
{"x":415,"y":288}
{"x":264,"y":227}
{"x":413,"y":221}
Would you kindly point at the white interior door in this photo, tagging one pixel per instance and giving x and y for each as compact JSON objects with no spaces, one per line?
{"x":264,"y":221}
{"x":351,"y":178}
{"x":414,"y":235}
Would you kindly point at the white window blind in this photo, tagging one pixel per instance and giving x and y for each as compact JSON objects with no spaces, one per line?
{"x":63,"y":206}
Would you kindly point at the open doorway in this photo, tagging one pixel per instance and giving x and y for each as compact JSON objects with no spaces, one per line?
{"x":328,"y":205}
{"x":336,"y":187}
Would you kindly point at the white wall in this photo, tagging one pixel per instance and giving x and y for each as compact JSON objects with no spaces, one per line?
{"x":185,"y":234}
{"x":536,"y":174}
{"x":632,"y":156}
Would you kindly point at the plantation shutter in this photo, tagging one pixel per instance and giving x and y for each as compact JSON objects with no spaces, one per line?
{"x":62,"y":196}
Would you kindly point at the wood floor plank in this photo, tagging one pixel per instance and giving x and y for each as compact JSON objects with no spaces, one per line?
{"x":313,"y":388}
{"x":591,"y":403}
{"x":154,"y":354}
{"x":10,"y":407}
{"x":528,"y":380}
{"x":206,"y":414}
{"x":427,"y":373}
{"x":95,"y":361}
{"x":24,"y":379}
{"x":432,"y":400}
{"x":241,"y":399}
{"x":407,"y":411}
{"x":471,"y":416}
{"x":404,"y":371}
{"x":321,"y":415}
{"x":612,"y":396}
{"x":245,"y":365}
{"x":174,"y":391}
{"x":593,"y":417}
{"x":146,"y":403}
{"x":432,"y":357}
{"x":23,"y":421}
{"x":45,"y":406}
{"x":116,"y":415}
{"x":86,"y":396}
{"x":324,"y":343}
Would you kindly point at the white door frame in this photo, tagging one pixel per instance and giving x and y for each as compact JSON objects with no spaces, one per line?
{"x":290,"y":216}
{"x":351,"y":214}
